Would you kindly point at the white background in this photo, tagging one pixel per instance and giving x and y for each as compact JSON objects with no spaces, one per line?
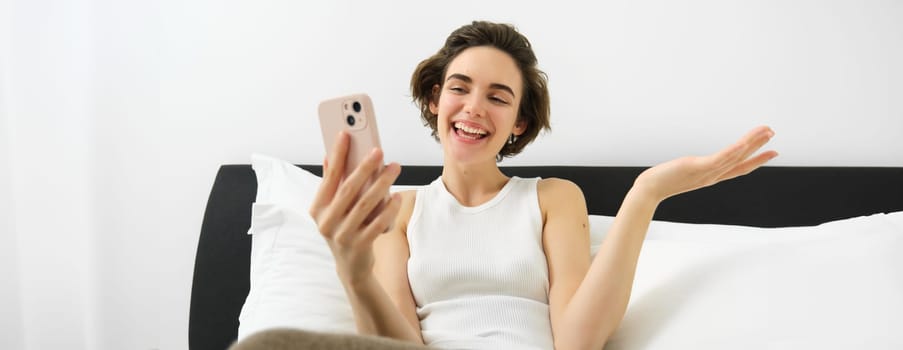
{"x":115,"y":115}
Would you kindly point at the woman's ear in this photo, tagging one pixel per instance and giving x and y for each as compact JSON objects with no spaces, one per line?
{"x":434,"y":100}
{"x":520,"y":127}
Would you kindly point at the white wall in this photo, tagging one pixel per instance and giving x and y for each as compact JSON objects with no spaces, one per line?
{"x":117,"y":115}
{"x":142,"y":253}
{"x":47,"y":97}
{"x":10,"y":298}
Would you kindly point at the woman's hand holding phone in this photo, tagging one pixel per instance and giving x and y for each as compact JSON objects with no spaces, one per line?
{"x":353,"y":206}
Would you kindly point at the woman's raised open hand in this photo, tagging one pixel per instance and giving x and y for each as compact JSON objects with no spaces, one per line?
{"x":351,"y":215}
{"x":690,"y":173}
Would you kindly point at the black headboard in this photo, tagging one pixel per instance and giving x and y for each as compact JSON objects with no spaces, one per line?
{"x":769,"y":197}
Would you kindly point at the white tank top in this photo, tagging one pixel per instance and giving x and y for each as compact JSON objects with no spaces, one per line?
{"x":478,"y":274}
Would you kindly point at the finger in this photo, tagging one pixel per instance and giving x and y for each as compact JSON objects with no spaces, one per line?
{"x":373,"y":197}
{"x":729,"y":157}
{"x":328,"y":220}
{"x":333,"y":168}
{"x":749,"y":165}
{"x":315,"y":206}
{"x":351,"y":188}
{"x":755,"y":132}
{"x":760,"y":136}
{"x":344,"y":214}
{"x":382,"y":222}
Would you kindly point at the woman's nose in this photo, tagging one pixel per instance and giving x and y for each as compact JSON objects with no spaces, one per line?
{"x":474,"y":106}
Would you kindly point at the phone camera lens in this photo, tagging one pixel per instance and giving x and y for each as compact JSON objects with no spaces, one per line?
{"x":350,"y":120}
{"x":357,"y":106}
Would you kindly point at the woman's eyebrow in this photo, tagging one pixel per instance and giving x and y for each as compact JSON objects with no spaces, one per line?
{"x":467,"y":79}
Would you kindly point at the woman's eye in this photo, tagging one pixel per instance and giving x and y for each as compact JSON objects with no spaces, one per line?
{"x":456,"y":89}
{"x":498,"y":100}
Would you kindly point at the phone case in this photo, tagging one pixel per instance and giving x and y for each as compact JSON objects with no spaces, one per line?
{"x":353,"y":113}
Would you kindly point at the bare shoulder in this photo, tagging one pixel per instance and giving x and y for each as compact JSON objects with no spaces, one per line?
{"x":391,"y":244}
{"x":408,"y":198}
{"x":554,"y":192}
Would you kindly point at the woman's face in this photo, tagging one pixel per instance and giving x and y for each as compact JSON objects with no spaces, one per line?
{"x":478,"y":104}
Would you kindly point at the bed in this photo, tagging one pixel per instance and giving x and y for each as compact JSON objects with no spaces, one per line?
{"x":771,"y":197}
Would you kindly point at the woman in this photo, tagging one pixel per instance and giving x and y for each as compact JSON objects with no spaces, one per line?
{"x":477,"y":259}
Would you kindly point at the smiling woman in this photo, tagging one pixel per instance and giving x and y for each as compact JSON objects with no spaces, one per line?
{"x":478,"y":259}
{"x":482,"y":110}
{"x":108,"y":108}
{"x":490,"y":47}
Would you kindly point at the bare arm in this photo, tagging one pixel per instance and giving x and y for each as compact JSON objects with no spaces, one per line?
{"x":565,"y":237}
{"x":598,"y":303}
{"x":588,"y":317}
{"x":376,"y":312}
{"x":391,"y":270}
{"x":383,"y":305}
{"x":351,"y":223}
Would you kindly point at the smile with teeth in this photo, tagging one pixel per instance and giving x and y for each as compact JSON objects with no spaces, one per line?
{"x":470,"y":132}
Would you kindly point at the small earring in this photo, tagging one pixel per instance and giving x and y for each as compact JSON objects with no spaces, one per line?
{"x":512,"y":139}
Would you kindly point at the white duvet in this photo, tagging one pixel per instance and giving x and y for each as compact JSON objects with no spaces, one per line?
{"x":834,"y":286}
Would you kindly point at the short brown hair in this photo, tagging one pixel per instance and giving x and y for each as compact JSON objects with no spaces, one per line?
{"x":534,"y":107}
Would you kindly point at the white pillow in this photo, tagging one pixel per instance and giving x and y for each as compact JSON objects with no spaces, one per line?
{"x":836,"y":285}
{"x":293,"y":278}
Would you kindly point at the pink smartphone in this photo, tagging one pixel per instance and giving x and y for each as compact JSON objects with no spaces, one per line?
{"x":353,"y":113}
